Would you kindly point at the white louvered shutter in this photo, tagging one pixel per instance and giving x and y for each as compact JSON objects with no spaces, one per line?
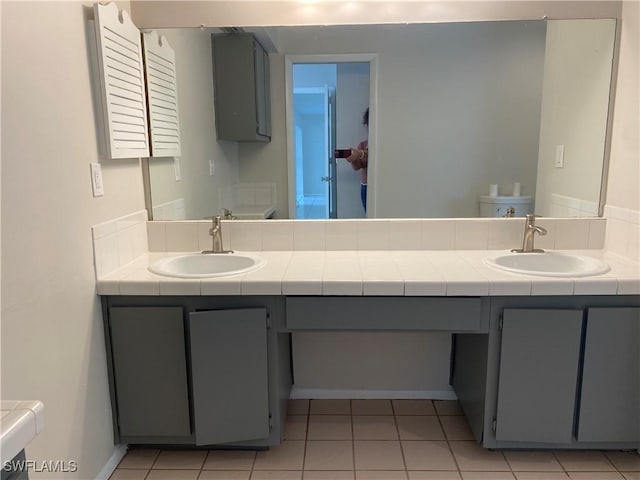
{"x":162,"y":92}
{"x":122,"y":83}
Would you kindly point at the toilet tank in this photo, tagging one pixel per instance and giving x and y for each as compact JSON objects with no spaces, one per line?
{"x":499,"y":206}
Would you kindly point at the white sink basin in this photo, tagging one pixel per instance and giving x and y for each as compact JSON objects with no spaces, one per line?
{"x":548,"y":264}
{"x":199,"y":265}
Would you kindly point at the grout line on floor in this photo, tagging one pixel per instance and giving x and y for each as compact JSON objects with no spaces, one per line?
{"x":446,"y":439}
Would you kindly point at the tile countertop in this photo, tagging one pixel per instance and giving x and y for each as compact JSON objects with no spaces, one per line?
{"x":371,"y":273}
{"x":20,"y":423}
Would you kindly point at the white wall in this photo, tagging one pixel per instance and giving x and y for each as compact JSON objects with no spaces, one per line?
{"x":575,"y":104}
{"x":198,"y":133}
{"x":623,"y":193}
{"x":52,"y":332}
{"x":463,"y":113}
{"x":624,"y":168}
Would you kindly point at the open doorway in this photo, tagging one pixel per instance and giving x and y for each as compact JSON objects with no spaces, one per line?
{"x":326,"y":98}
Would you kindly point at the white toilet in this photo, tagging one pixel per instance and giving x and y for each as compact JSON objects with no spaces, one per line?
{"x":500,"y":206}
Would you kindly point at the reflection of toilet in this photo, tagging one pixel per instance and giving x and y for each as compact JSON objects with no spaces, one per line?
{"x":500,"y":205}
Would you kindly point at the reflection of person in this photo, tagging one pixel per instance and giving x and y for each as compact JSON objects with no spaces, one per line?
{"x":359,"y":160}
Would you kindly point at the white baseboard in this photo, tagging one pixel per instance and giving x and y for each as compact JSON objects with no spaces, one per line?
{"x":119,"y":452}
{"x":322,"y":393}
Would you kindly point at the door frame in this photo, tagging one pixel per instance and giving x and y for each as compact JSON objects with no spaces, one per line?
{"x":372,"y":60}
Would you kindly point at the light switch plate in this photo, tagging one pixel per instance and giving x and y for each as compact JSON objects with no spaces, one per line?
{"x":96,"y":180}
{"x":176,"y":169}
{"x":559,"y":156}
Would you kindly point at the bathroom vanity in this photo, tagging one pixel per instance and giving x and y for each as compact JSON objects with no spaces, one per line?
{"x":530,"y":371}
{"x":198,"y":370}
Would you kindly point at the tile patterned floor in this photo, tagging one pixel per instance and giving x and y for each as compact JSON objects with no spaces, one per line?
{"x":377,"y":440}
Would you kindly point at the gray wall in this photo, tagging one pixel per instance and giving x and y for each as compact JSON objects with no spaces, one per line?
{"x":577,"y":75}
{"x":197,"y":131}
{"x":446,"y":127}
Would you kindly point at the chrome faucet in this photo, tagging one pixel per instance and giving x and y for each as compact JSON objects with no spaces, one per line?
{"x":227,"y":214}
{"x":216,"y":236}
{"x":530,"y":229}
{"x":511,"y":212}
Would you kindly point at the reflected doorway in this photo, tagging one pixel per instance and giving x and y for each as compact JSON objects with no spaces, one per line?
{"x":314,"y":140}
{"x":327,"y":102}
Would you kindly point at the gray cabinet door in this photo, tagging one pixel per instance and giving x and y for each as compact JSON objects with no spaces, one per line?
{"x":150,"y":371}
{"x":609,"y":402}
{"x":229,"y":375}
{"x":539,"y":359}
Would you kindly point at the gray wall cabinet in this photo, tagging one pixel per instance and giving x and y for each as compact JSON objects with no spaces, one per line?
{"x":229,"y":375}
{"x":198,"y":370}
{"x":241,"y":88}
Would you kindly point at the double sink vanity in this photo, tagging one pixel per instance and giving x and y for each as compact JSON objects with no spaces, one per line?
{"x":544,"y":345}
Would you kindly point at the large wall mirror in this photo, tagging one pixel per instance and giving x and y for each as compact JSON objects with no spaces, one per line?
{"x":454,"y":109}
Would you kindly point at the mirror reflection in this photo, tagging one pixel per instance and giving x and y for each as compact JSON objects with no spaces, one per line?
{"x":466,"y":120}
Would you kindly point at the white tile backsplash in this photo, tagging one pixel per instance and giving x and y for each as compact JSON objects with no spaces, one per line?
{"x":597,"y":230}
{"x":277,"y":235}
{"x":205,"y":242}
{"x":265,"y":193}
{"x":505,"y":233}
{"x":372,"y":235}
{"x":309,"y":235}
{"x":125,"y":246}
{"x":341,"y":235}
{"x":156,"y":232}
{"x":472,"y":234}
{"x":173,"y":210}
{"x":563,"y":206}
{"x":244,"y":235}
{"x":246,"y":194}
{"x":572,"y":235}
{"x":633,"y":247}
{"x":405,"y":234}
{"x":118,"y":242}
{"x":548,"y":241}
{"x":181,"y":236}
{"x":394,"y":234}
{"x":438,"y":234}
{"x":104,"y":229}
{"x":623,"y":232}
{"x":106,"y":254}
